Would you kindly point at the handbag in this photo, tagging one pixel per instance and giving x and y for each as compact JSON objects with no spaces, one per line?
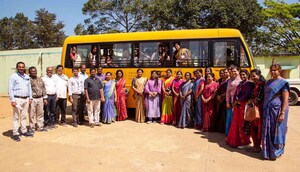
{"x":251,"y":112}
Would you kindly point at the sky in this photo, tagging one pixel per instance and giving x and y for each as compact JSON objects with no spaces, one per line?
{"x":67,"y":11}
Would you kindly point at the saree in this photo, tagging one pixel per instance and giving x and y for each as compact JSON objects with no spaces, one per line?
{"x":176,"y":100}
{"x":208,"y":108}
{"x":186,"y":112}
{"x":109,"y":109}
{"x":274,"y":132}
{"x":220,"y":107}
{"x":198,"y":104}
{"x":152,"y":103}
{"x":139,"y":84}
{"x":236,"y":135}
{"x":167,"y":103}
{"x":121,"y":101}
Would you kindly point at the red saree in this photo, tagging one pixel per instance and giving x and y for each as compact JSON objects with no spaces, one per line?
{"x":121,"y":100}
{"x":208,"y":108}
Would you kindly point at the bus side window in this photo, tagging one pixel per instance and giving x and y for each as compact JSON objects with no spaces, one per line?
{"x":224,"y":53}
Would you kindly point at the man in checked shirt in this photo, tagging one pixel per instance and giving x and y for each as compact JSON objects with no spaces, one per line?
{"x":39,"y":96}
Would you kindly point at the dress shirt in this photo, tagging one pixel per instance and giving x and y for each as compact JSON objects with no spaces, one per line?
{"x":38,"y":87}
{"x":61,"y":83}
{"x":101,"y":77}
{"x":75,"y":85}
{"x":19,"y":85}
{"x":93,"y":86}
{"x":49,"y":84}
{"x":83,"y":75}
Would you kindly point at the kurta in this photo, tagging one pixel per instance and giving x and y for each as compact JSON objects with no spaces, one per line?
{"x":152,"y":103}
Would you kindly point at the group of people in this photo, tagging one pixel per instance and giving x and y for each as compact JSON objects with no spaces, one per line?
{"x":198,"y":102}
{"x":210,"y":105}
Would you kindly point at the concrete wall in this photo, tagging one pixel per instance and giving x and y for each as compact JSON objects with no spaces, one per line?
{"x":40,"y":58}
{"x":290,"y":64}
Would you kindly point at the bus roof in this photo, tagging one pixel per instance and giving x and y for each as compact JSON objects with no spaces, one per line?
{"x":155,"y":35}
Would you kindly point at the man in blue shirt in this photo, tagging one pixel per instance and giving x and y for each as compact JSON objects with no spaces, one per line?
{"x":20,"y":94}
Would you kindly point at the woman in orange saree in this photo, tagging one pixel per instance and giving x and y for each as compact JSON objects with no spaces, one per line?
{"x":138,"y":85}
{"x":167,"y":103}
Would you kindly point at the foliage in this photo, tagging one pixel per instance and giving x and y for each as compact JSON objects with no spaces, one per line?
{"x":21,"y":33}
{"x":283,"y":26}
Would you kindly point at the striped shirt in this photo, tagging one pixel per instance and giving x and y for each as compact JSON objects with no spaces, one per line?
{"x":19,"y":85}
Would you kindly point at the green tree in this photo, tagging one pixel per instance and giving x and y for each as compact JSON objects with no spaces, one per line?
{"x":22,"y":32}
{"x":114,"y":15}
{"x":6,"y":36}
{"x":48,"y":31}
{"x":282,"y":26}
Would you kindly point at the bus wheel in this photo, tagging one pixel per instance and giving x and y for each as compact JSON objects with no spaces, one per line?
{"x":293,"y":98}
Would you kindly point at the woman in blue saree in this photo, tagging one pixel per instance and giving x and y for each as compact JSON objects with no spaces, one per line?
{"x":275,"y":114}
{"x":110,"y":95}
{"x":197,"y":92}
{"x":185,"y":93}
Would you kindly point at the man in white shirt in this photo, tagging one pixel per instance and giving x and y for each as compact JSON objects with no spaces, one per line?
{"x":61,"y":83}
{"x":82,"y":110}
{"x":49,"y":107}
{"x":75,"y":89}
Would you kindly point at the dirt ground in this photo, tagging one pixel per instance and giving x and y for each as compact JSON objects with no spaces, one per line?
{"x":131,"y":146}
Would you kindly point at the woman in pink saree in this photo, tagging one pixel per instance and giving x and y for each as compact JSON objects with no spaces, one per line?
{"x":121,"y":96}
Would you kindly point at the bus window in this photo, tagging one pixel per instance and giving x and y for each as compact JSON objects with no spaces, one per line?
{"x":121,"y":55}
{"x":77,"y":56}
{"x":224,"y":53}
{"x":244,"y":62}
{"x":149,"y":54}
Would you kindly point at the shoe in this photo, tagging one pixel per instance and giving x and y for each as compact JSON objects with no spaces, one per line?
{"x":44,"y":129}
{"x":31,"y":131}
{"x":63,"y":123}
{"x":75,"y":124}
{"x":16,"y":138}
{"x":162,"y":123}
{"x":242,"y":146}
{"x":27,"y":134}
{"x":80,"y":123}
{"x":154,"y":122}
{"x":149,"y":122}
{"x":92,"y":125}
{"x":98,"y":124}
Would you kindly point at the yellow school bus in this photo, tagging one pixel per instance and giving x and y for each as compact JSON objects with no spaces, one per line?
{"x":184,"y":50}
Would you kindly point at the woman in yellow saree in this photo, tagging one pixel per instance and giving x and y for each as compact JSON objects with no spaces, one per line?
{"x":138,"y":85}
{"x":167,"y":103}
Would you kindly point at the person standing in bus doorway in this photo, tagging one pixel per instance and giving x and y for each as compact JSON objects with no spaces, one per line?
{"x":93,"y":56}
{"x":82,"y":110}
{"x":152,"y":97}
{"x":39,"y":96}
{"x":75,"y":88}
{"x":20,"y":94}
{"x":61,"y":83}
{"x":49,"y":108}
{"x":167,"y":102}
{"x":138,"y":85}
{"x":94,"y":94}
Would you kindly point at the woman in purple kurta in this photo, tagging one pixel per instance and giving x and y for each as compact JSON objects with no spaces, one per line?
{"x":153,"y":95}
{"x":275,"y":114}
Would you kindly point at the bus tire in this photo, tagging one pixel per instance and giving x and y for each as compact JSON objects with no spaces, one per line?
{"x":293,"y":98}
